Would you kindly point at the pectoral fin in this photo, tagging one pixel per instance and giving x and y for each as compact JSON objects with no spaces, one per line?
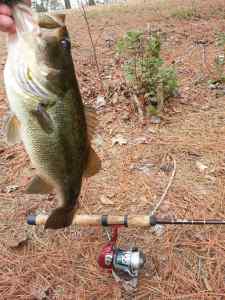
{"x":38,"y":186}
{"x":13,"y":131}
{"x":92,"y":121}
{"x":93,"y":164}
{"x":43,"y":118}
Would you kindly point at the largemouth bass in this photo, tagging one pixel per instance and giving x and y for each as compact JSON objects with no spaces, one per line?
{"x":48,"y":114}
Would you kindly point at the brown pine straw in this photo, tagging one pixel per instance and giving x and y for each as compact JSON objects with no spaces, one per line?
{"x":183,"y":263}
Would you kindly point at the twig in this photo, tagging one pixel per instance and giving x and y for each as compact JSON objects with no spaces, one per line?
{"x":188,"y":52}
{"x":139,"y":108}
{"x":92,"y":44}
{"x":206,"y":283}
{"x":204,"y":59}
{"x":167,"y":188}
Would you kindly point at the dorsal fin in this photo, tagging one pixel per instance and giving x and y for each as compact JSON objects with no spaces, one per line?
{"x":93,"y":164}
{"x":51,"y":21}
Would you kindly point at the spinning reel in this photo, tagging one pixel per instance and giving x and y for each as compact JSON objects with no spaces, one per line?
{"x":125,"y":264}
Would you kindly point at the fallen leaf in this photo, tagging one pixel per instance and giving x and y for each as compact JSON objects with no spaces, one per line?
{"x":125,"y":116}
{"x":42,"y":293}
{"x":159,"y":229}
{"x":100,"y":101}
{"x":98,"y":141}
{"x":18,"y":242}
{"x":115,"y":98}
{"x":11,"y":188}
{"x":129,"y":283}
{"x":201,"y":167}
{"x":155,"y":120}
{"x":144,"y":167}
{"x":167,"y":167}
{"x":151,"y":130}
{"x":119,"y":139}
{"x":105,"y":200}
{"x":140,"y":140}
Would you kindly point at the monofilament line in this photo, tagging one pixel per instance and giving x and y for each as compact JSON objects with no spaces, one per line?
{"x":167,"y":187}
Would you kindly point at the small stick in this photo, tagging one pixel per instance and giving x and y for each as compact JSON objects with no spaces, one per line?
{"x":139,"y":108}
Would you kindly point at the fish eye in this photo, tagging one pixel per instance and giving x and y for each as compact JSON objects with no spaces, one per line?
{"x":66,"y":44}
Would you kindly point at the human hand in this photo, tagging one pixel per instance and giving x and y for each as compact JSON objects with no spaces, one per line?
{"x":6,"y":21}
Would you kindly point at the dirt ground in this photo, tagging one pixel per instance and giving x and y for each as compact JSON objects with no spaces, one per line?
{"x":183,"y":262}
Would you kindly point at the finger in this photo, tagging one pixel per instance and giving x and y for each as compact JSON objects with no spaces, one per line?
{"x":6,"y":24}
{"x":5,"y":10}
{"x":12,"y":29}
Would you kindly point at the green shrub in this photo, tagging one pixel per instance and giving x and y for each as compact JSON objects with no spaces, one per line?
{"x":185,"y":14}
{"x":220,"y":39}
{"x":145,"y":70}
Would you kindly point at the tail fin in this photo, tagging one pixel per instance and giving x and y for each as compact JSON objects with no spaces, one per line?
{"x":60,"y":217}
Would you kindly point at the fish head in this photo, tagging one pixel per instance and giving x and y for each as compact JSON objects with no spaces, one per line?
{"x":42,"y":43}
{"x":52,"y":47}
{"x":51,"y":51}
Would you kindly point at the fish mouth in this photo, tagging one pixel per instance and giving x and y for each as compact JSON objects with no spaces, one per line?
{"x":51,"y":21}
{"x":25,"y":20}
{"x":33,"y":73}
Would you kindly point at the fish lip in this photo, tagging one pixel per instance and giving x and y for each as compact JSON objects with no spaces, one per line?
{"x":24,"y":26}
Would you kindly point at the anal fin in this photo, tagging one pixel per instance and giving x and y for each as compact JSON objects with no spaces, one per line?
{"x":38,"y":186}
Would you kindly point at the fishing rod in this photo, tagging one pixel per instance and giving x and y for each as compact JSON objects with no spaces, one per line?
{"x":124,"y":265}
{"x":126,"y":220}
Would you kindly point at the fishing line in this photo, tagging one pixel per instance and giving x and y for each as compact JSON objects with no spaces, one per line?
{"x":167,"y":187}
